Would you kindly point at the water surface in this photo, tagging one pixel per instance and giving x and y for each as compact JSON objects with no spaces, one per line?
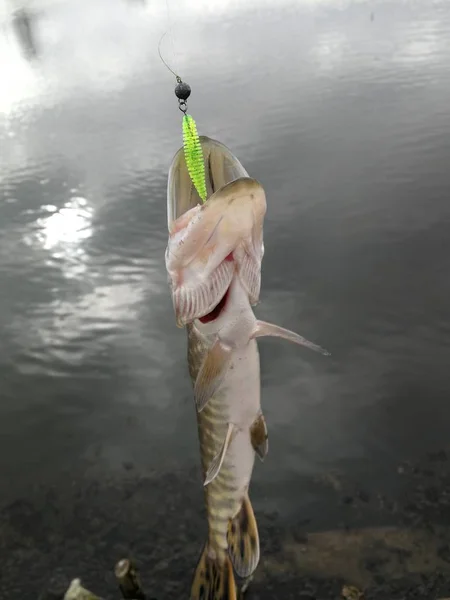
{"x":341,"y":111}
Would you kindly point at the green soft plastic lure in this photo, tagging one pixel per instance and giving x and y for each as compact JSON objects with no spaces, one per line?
{"x":194,"y":155}
{"x":193,"y":152}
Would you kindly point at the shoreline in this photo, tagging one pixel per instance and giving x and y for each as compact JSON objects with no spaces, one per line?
{"x":49,"y":539}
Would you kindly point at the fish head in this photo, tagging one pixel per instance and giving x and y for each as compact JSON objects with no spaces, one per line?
{"x":212,"y":242}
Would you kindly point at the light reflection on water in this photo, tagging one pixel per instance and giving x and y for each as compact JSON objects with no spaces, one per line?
{"x":341,"y":110}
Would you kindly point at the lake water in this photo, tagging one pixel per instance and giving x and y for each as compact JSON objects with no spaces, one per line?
{"x":341,"y":110}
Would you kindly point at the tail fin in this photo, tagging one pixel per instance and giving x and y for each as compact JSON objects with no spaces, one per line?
{"x":213,"y":579}
{"x":243,"y":540}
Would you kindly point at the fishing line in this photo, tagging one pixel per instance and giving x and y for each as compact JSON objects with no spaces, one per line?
{"x":172,"y":43}
{"x":191,"y":142}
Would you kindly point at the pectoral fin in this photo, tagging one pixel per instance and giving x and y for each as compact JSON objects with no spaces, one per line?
{"x":259,"y":437}
{"x":217,"y":461}
{"x":212,"y":373}
{"x":269,"y":329}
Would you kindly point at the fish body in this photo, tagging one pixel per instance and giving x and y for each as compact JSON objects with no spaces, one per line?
{"x":213,"y":260}
{"x":230,"y":414}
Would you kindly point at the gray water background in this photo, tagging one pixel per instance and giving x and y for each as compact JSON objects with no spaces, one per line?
{"x":342,"y":111}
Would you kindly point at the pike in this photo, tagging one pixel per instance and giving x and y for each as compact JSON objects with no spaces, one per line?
{"x":213,"y":260}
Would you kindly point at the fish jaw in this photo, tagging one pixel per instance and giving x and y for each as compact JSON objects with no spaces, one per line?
{"x":210,"y":243}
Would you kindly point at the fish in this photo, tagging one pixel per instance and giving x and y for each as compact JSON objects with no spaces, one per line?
{"x":213,"y":260}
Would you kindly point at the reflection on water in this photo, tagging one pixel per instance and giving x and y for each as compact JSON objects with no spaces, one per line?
{"x":66,"y":227}
{"x":341,"y":110}
{"x":23,"y":24}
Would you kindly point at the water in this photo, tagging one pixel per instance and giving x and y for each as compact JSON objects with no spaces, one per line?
{"x":341,"y":111}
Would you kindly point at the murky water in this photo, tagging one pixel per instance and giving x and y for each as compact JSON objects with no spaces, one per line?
{"x":341,"y":110}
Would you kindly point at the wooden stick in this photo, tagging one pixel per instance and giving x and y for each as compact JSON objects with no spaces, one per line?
{"x":129,"y":580}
